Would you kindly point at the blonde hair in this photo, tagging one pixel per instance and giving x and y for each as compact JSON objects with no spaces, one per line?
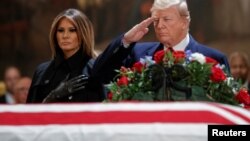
{"x":180,"y":4}
{"x":84,"y":29}
{"x":241,"y":55}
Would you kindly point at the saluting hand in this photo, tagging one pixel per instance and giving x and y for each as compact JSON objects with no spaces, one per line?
{"x":138,"y":31}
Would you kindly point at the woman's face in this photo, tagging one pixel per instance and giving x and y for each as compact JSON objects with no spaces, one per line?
{"x":67,"y":37}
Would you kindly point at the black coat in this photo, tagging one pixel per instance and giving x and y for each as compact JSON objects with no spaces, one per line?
{"x":49,"y":75}
{"x":3,"y":99}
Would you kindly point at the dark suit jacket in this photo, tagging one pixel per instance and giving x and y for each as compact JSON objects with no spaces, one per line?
{"x":141,"y":50}
{"x":116,"y":56}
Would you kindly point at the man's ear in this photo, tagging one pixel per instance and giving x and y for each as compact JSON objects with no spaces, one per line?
{"x":185,"y":23}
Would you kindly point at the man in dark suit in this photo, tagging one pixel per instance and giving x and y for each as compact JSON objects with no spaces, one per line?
{"x":171,"y":20}
{"x":11,"y":75}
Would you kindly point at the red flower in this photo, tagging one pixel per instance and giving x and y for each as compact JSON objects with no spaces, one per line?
{"x":138,"y":66}
{"x":179,"y":56}
{"x":217,"y":75}
{"x":243,"y":97}
{"x":211,"y":61}
{"x":123,"y":81}
{"x":158,"y":56}
{"x":110,"y":95}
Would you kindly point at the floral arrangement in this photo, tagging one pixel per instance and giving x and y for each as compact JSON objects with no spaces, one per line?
{"x":203,"y":76}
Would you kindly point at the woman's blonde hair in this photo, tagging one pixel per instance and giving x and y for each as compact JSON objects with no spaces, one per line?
{"x":241,"y":55}
{"x":84,"y":29}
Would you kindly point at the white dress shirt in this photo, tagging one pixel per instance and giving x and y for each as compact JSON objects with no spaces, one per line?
{"x":183,"y":44}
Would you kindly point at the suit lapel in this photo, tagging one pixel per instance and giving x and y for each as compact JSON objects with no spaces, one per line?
{"x":192,"y":45}
{"x":154,"y":49}
{"x":46,"y":76}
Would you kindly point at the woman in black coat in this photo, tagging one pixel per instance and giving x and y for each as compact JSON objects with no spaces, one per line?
{"x":67,"y":77}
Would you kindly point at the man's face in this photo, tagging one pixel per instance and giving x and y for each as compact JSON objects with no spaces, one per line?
{"x":170,"y":27}
{"x":21,"y":90}
{"x":12,"y":75}
{"x":239,"y":68}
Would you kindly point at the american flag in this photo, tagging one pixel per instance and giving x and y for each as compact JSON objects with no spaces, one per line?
{"x":125,"y":121}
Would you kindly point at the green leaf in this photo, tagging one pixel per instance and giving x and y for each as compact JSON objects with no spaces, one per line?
{"x":143,"y":96}
{"x":177,"y":95}
{"x":199,"y":94}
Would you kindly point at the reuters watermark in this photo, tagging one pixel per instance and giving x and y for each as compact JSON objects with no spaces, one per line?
{"x":228,"y":131}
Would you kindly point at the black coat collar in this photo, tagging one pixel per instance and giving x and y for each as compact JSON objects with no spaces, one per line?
{"x":76,"y":61}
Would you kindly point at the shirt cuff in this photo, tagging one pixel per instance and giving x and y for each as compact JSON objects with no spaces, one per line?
{"x":125,"y":45}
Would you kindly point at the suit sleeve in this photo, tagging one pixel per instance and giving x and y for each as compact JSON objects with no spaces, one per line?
{"x":225,"y":62}
{"x":111,"y":59}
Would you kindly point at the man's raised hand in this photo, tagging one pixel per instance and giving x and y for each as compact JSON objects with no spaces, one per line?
{"x":137,"y":32}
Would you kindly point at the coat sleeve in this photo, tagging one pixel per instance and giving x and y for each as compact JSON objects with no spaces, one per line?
{"x":111,"y":59}
{"x":36,"y":79}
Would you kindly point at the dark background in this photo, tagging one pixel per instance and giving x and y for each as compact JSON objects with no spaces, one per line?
{"x":25,"y":25}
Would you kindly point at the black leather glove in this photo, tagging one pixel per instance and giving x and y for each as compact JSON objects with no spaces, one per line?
{"x":67,"y":87}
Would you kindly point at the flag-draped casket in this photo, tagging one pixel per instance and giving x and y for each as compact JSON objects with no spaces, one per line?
{"x":125,"y":121}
